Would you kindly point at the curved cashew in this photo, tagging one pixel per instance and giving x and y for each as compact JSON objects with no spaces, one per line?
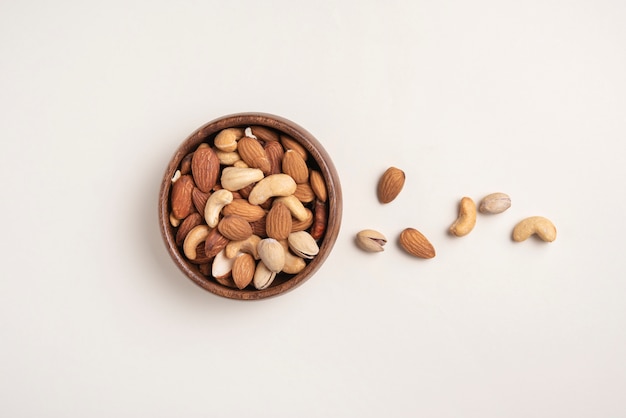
{"x":214,"y":205}
{"x":467,"y":218}
{"x":248,"y":245}
{"x":538,"y":225}
{"x":270,"y":186}
{"x":295,"y":206}
{"x":193,"y":238}
{"x":227,"y":158}
{"x":236,"y":178}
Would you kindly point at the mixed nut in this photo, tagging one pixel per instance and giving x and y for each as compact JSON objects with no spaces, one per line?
{"x":415,"y":243}
{"x":248,"y":204}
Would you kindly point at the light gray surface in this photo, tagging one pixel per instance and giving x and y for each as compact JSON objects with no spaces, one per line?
{"x":469,"y":98}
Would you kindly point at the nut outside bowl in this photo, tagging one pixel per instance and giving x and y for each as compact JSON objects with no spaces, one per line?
{"x":318,"y":159}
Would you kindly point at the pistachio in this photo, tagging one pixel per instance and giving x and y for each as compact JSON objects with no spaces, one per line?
{"x":370,"y":240}
{"x":271,"y":254}
{"x":263,"y":277}
{"x":303,"y":244}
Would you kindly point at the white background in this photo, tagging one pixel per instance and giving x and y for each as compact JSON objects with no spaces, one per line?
{"x":468,"y":98}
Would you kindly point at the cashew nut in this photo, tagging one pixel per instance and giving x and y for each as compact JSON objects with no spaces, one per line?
{"x":538,"y":225}
{"x":193,"y":238}
{"x":214,"y":205}
{"x":295,"y":206}
{"x":227,"y":158}
{"x":467,"y":218}
{"x":248,"y":245}
{"x":270,"y":186}
{"x":226,"y":139}
{"x":236,"y":178}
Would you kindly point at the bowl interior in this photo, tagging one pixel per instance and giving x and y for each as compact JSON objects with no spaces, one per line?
{"x":318,"y":159}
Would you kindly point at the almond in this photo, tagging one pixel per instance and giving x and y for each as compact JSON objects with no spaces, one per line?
{"x":295,"y":166}
{"x":253,"y":153}
{"x":390,"y":184}
{"x":243,"y":208}
{"x":278,"y":222}
{"x":215,"y":242}
{"x":234,"y":227}
{"x":416,"y":244}
{"x":259,"y":227}
{"x":243,"y":270}
{"x":275,"y":153}
{"x":297,"y":225}
{"x":291,"y":144}
{"x":318,"y":185}
{"x":187,"y":225}
{"x":205,"y":167}
{"x":185,"y":164}
{"x":264,"y":134}
{"x":182,"y":204}
{"x":199,"y":199}
{"x":304,"y":193}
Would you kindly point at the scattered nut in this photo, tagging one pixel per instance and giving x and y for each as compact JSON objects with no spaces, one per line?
{"x":390,"y":184}
{"x":537,"y":225}
{"x":466,"y":220}
{"x":416,"y":244}
{"x":370,"y":240}
{"x":494,"y":203}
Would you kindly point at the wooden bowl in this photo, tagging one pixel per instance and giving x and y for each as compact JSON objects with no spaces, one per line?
{"x":318,"y":160}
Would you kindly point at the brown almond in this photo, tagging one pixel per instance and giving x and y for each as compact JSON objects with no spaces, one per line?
{"x":264,"y":133}
{"x":243,"y":270}
{"x":215,"y":242}
{"x":295,"y":166}
{"x":275,"y":153}
{"x":416,"y":244}
{"x":318,"y":185}
{"x":185,"y":164}
{"x":234,"y":227}
{"x":278,"y":222}
{"x":187,"y":225}
{"x":259,"y":227}
{"x":205,"y":167}
{"x":297,"y":225}
{"x":291,"y":144}
{"x":199,"y":199}
{"x":304,"y":193}
{"x":244,"y":209}
{"x":253,"y":153}
{"x":181,"y":201}
{"x":390,"y":184}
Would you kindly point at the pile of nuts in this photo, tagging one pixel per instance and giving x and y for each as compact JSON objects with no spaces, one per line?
{"x":247,"y":205}
{"x":415,"y":243}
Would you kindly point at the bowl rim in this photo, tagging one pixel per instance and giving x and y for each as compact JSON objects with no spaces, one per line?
{"x":326,"y":168}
